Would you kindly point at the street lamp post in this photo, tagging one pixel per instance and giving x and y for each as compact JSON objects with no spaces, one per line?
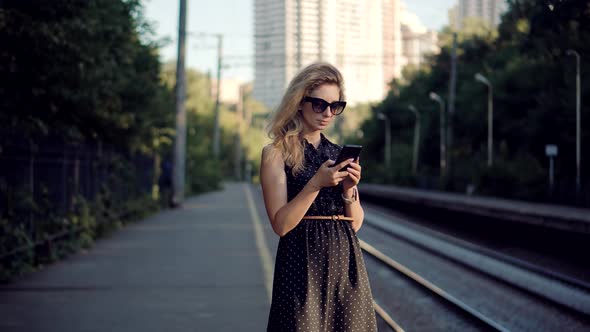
{"x":382,"y":116}
{"x":441,"y":102}
{"x":479,"y":77}
{"x":179,"y":161}
{"x":215,"y":148}
{"x":578,"y":120}
{"x":416,"y":139}
{"x":216,"y":130}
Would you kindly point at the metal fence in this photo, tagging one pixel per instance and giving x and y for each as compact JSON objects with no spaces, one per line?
{"x":45,"y":177}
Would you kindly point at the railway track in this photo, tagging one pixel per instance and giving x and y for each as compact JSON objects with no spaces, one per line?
{"x":435,"y":291}
{"x":573,"y":312}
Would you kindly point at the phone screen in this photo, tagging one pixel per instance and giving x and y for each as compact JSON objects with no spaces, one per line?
{"x":348,"y":151}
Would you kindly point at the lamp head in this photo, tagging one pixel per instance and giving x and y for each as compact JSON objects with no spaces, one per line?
{"x":572,"y":52}
{"x":436,"y":97}
{"x":482,"y":79}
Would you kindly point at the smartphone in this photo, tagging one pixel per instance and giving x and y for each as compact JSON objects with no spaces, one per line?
{"x":348,"y":151}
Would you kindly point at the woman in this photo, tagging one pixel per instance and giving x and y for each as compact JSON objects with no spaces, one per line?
{"x":320,"y":280}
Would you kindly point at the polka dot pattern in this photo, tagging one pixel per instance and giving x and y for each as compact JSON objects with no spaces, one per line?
{"x":320,"y":280}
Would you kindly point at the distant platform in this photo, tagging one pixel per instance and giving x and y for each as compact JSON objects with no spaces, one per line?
{"x":552,"y":216}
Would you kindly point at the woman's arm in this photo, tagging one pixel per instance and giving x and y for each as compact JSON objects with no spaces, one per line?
{"x":285,"y":216}
{"x":350,"y":191}
{"x":354,"y":210}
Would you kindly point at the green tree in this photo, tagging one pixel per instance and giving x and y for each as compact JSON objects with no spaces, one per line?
{"x":203,"y":173}
{"x":81,"y":70}
{"x":534,"y":90}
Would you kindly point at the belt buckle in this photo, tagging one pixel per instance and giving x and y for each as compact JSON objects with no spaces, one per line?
{"x":335,"y":217}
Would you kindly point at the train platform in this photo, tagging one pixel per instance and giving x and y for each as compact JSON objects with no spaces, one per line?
{"x":564,"y":218}
{"x":202,"y":267}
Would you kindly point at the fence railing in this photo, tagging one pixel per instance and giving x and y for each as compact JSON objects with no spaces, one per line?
{"x":41,"y":181}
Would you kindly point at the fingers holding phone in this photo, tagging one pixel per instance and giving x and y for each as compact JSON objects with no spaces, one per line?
{"x":354,"y":175}
{"x":346,"y":168}
{"x":329,"y":174}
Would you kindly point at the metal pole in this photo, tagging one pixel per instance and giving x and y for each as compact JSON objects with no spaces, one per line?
{"x":451,"y":107}
{"x":388,"y":142}
{"x":490,"y":126}
{"x":578,"y":119}
{"x":416,"y":139}
{"x":578,"y":124}
{"x":479,"y":77}
{"x":551,"y":181}
{"x":382,"y":116}
{"x":216,"y":133}
{"x":442,"y":140}
{"x":238,"y":137}
{"x":180,"y":140}
{"x":440,"y":101}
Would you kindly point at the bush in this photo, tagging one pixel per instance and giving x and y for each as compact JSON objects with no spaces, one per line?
{"x":520,"y":178}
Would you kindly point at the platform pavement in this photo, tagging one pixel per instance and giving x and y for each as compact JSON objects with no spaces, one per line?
{"x":198,"y":268}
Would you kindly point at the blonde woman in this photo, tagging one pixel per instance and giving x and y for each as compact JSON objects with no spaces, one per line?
{"x":320,"y":281}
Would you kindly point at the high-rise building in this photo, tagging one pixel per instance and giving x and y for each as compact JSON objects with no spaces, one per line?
{"x":392,"y":40}
{"x":417,"y":40}
{"x":270,"y":48}
{"x":452,"y":15}
{"x":488,"y":10}
{"x":290,"y":34}
{"x":368,"y":40}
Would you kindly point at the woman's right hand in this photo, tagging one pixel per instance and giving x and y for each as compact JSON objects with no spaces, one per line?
{"x":328,"y":174}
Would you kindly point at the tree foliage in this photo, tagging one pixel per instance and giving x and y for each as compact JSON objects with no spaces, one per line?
{"x":80,"y":69}
{"x":534,"y":104}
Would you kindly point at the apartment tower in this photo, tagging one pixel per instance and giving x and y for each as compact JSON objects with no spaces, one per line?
{"x":488,"y":10}
{"x":290,"y":34}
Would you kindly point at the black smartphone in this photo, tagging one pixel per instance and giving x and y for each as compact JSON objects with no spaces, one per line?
{"x":349,"y":151}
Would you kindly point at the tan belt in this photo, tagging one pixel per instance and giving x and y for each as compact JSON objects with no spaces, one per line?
{"x":332,"y":217}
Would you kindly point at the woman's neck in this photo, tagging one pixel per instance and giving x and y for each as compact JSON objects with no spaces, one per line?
{"x":312,"y":137}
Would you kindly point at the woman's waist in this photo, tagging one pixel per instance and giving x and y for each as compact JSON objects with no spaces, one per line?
{"x":334,"y":217}
{"x":325,"y":209}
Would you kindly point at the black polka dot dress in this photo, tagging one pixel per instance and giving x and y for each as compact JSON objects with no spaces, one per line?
{"x":320,"y":281}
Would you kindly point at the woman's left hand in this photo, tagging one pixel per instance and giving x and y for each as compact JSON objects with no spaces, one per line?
{"x":354,"y":175}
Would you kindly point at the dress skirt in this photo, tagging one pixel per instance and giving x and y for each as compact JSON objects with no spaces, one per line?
{"x":320,"y":281}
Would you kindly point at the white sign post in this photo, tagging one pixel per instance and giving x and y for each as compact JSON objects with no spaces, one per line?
{"x":551,"y":151}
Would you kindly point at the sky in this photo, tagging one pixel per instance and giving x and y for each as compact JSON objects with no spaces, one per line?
{"x":234,"y":19}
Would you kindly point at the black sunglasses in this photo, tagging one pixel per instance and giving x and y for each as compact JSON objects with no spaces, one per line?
{"x":319,"y":105}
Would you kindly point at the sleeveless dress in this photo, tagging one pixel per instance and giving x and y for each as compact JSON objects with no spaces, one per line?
{"x":320,"y":280}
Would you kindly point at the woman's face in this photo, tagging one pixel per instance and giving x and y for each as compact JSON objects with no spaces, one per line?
{"x":319,"y":121}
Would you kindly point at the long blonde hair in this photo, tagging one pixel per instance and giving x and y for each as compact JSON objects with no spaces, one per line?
{"x":286,"y":126}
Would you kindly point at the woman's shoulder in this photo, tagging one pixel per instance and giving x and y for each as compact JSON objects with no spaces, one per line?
{"x":272,"y":154}
{"x":270,"y":149}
